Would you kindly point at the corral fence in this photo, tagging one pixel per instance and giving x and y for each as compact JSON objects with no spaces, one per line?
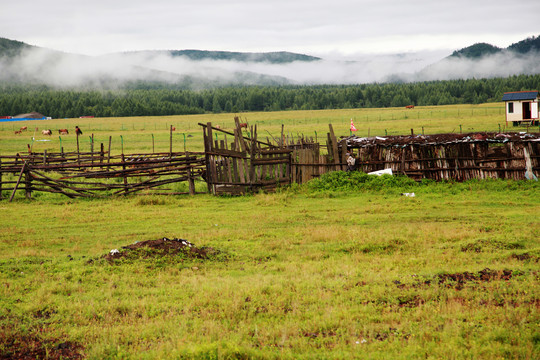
{"x":457,"y":157}
{"x":94,"y":174}
{"x":241,"y":161}
{"x":248,"y":164}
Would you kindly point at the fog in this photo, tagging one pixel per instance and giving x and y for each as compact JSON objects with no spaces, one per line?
{"x":42,"y":66}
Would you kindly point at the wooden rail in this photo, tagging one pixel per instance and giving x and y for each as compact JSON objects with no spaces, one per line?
{"x":94,"y":175}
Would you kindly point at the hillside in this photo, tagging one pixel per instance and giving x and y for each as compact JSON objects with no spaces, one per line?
{"x":24,"y":64}
{"x":528,"y":45}
{"x":479,"y":50}
{"x":11,"y":48}
{"x":476,"y":51}
{"x":280,"y":57}
{"x":204,"y":69}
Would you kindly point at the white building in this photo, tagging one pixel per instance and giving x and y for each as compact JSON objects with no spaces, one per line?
{"x":521,"y":106}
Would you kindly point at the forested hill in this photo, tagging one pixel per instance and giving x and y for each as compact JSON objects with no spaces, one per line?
{"x":476,"y":51}
{"x":529,"y":45}
{"x":280,"y":57}
{"x":11,"y":48}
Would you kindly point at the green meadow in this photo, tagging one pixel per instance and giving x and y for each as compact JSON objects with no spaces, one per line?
{"x":342,"y":267}
{"x":144,"y":134}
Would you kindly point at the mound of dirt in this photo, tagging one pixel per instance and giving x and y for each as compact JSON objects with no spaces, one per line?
{"x":17,"y":346}
{"x":459,"y":279}
{"x":161,"y":247}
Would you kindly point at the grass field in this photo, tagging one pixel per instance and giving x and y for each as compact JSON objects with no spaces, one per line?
{"x":136,"y":133}
{"x":361,"y":272}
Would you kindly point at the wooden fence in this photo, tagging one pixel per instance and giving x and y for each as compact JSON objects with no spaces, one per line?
{"x":246,"y":164}
{"x":98,"y":173}
{"x":238,"y":161}
{"x":451,"y":157}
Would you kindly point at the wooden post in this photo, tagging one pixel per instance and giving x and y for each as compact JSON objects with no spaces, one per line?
{"x":18,"y":181}
{"x":124,"y":168}
{"x":170,"y":141}
{"x":109,"y":151}
{"x":191,"y":182}
{"x":0,"y":178}
{"x":28,"y":183}
{"x":78,"y":155}
{"x":101,"y":154}
{"x":92,"y":147}
{"x":153,"y":147}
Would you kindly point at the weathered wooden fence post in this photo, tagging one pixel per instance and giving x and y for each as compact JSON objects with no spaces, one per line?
{"x":28,"y":182}
{"x":78,"y":154}
{"x":1,"y":178}
{"x":23,"y":168}
{"x":170,"y":141}
{"x":124,"y":173}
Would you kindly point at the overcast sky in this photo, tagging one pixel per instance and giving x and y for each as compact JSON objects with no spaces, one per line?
{"x":323,"y":28}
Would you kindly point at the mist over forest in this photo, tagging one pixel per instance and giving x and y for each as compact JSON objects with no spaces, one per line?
{"x":192,"y":82}
{"x":196,"y":70}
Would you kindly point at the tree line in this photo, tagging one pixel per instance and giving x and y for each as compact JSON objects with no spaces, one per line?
{"x":142,"y":99}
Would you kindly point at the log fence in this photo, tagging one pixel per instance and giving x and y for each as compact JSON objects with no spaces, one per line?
{"x":239,"y":162}
{"x":97,"y":174}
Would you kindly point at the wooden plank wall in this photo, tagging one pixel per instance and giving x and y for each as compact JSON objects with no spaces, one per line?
{"x":246,"y":164}
{"x":453,"y":161}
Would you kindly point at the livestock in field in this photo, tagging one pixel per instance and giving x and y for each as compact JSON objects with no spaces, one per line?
{"x":78,"y":131}
{"x":63,"y":131}
{"x":46,"y":132}
{"x":173,"y":128}
{"x":24,"y":128}
{"x":243,"y":125}
{"x":409,"y":107}
{"x":18,"y":132}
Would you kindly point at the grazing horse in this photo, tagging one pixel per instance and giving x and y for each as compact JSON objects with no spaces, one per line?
{"x":173,"y":128}
{"x":78,"y":131}
{"x":46,"y":132}
{"x":243,"y":125}
{"x":63,"y":131}
{"x":24,"y":128}
{"x":18,"y":132}
{"x":409,"y":107}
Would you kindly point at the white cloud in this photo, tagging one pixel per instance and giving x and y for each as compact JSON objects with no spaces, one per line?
{"x":369,"y":26}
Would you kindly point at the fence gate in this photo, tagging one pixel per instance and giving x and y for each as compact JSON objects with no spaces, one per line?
{"x":245,"y":164}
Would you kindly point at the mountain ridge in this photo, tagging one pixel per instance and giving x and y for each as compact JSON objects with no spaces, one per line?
{"x":202,"y":69}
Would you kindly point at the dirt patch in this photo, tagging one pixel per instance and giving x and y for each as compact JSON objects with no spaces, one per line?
{"x":159,"y":248}
{"x":525,"y":257}
{"x":17,"y":346}
{"x":457,"y":280}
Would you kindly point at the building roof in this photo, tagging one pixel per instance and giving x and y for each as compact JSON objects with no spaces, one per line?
{"x":32,"y":115}
{"x":520,"y":95}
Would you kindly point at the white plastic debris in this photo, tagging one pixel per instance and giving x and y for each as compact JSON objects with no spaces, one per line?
{"x":408,"y":194}
{"x":381,"y":172}
{"x":114,"y":252}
